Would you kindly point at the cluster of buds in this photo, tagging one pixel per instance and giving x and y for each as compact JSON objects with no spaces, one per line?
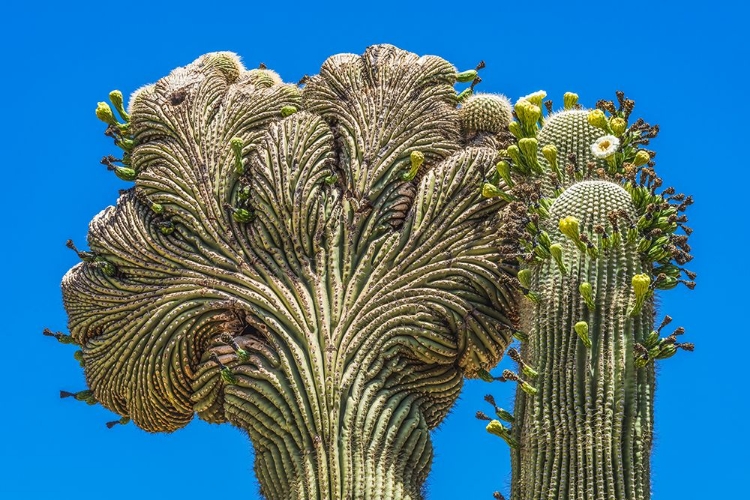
{"x":655,"y":347}
{"x":120,"y":132}
{"x":226,"y":373}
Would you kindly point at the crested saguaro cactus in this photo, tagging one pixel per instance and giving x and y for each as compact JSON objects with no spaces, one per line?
{"x":596,"y":241}
{"x":314,"y":263}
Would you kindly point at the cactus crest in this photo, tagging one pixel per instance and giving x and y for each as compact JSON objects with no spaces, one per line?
{"x":316,"y":265}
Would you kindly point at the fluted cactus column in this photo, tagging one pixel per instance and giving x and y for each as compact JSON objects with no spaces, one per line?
{"x":315,"y":264}
{"x":596,"y":241}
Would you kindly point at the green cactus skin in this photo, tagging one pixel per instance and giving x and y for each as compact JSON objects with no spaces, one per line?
{"x":587,"y":432}
{"x":595,"y":240}
{"x":356,"y":299}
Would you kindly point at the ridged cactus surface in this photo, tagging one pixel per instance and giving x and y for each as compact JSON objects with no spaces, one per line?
{"x":313,"y":263}
{"x":595,"y":240}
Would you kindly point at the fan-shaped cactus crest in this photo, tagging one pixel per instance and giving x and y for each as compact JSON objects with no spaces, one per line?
{"x":314,"y":263}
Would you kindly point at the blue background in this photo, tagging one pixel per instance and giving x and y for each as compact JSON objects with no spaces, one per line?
{"x":682,"y":62}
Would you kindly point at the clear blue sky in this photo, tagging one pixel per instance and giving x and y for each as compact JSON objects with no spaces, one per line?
{"x":683,"y":64}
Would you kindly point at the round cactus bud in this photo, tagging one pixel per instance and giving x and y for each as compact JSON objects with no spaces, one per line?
{"x":416,"y":158}
{"x":641,"y":158}
{"x":618,"y":126}
{"x":116,"y":99}
{"x":527,"y":112}
{"x":524,"y":276}
{"x":536,"y":98}
{"x":105,"y":114}
{"x":597,"y":118}
{"x":486,"y":113}
{"x":582,"y":329}
{"x":570,"y":100}
{"x":588,"y":294}
{"x":288,"y":111}
{"x":242,"y":215}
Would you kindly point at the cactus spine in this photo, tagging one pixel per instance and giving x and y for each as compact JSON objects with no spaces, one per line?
{"x":596,"y":240}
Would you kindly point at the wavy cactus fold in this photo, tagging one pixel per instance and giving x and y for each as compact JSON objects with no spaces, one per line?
{"x":274,"y":267}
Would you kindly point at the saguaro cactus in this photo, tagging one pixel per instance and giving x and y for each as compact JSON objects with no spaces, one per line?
{"x":313,"y":263}
{"x":596,"y":240}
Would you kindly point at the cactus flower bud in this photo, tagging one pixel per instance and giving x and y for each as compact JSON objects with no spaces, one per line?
{"x":498,"y":429}
{"x":528,"y":114}
{"x":641,"y":158}
{"x":157,"y":208}
{"x":550,"y":154}
{"x":597,"y":119}
{"x":641,"y":290}
{"x":570,"y":100}
{"x":524,"y":276}
{"x":416,"y":158}
{"x":115,"y":98}
{"x":528,"y":147}
{"x":582,"y":329}
{"x":569,"y":226}
{"x":491,"y":191}
{"x":515,"y":129}
{"x":556,"y":250}
{"x":588,"y":295}
{"x":503,"y":169}
{"x":485,"y":375}
{"x":536,"y":98}
{"x":105,"y":114}
{"x":618,"y":126}
{"x":288,"y":111}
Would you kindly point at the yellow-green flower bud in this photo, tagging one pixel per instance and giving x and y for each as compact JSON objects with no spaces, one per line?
{"x":157,"y":208}
{"x":569,"y":226}
{"x":570,"y":100}
{"x":588,"y":295}
{"x":536,"y":98}
{"x":597,"y":119}
{"x":618,"y":125}
{"x":105,"y":114}
{"x":641,"y":158}
{"x":556,"y":250}
{"x":515,"y":129}
{"x":582,"y":329}
{"x":651,"y":340}
{"x":489,"y":190}
{"x":520,"y":336}
{"x":515,"y":154}
{"x":503,"y":169}
{"x":288,"y":111}
{"x":499,"y":430}
{"x":78,"y":356}
{"x":524,"y":277}
{"x":641,"y":290}
{"x":331,"y":179}
{"x":416,"y":158}
{"x":528,"y":113}
{"x":528,"y":147}
{"x":550,"y":154}
{"x":115,"y":98}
